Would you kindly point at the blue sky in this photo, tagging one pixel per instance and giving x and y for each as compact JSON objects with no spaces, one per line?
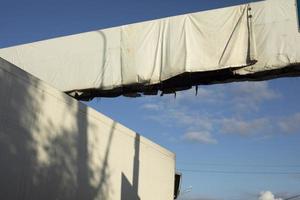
{"x":249,"y":128}
{"x":32,"y":20}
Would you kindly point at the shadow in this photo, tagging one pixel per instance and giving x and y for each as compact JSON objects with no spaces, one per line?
{"x":101,"y":189}
{"x":104,"y":57}
{"x":44,"y":143}
{"x":17,"y":152}
{"x":83,"y":190}
{"x":130,"y":191}
{"x":127,"y":190}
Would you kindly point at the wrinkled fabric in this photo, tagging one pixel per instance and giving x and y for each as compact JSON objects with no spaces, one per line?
{"x":277,"y":37}
{"x":142,"y":53}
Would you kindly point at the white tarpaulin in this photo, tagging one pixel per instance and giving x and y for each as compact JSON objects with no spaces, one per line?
{"x":277,"y":37}
{"x":142,"y":55}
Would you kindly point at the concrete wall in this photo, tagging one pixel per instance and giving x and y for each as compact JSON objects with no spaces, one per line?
{"x":55,"y":148}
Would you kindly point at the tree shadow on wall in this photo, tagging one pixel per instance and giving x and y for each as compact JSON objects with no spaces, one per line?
{"x":38,"y":159}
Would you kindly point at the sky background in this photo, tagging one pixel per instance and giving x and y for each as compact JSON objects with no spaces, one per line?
{"x":232,"y":141}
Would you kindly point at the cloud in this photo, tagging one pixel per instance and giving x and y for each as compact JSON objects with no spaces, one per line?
{"x":267,"y":195}
{"x":197,"y":198}
{"x":189,"y":119}
{"x":290,"y":124}
{"x":256,"y":91}
{"x":216,"y":109}
{"x":175,"y":114}
{"x":249,"y":95}
{"x":241,"y":96}
{"x":245,"y":128}
{"x":203,"y":137}
{"x":207,"y":94}
{"x":151,"y":106}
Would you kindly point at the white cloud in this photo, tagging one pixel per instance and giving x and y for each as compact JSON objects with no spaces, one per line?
{"x":172,"y":113}
{"x":196,"y":198}
{"x":190,"y":119}
{"x":241,"y":96}
{"x":199,"y":137}
{"x":245,"y":128}
{"x":151,"y":106}
{"x":256,"y":91}
{"x":226,"y":105}
{"x":267,"y":195}
{"x":249,"y":95}
{"x":208,"y":94}
{"x":290,"y":124}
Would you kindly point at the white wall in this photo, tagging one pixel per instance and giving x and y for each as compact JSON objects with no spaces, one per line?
{"x":55,"y":148}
